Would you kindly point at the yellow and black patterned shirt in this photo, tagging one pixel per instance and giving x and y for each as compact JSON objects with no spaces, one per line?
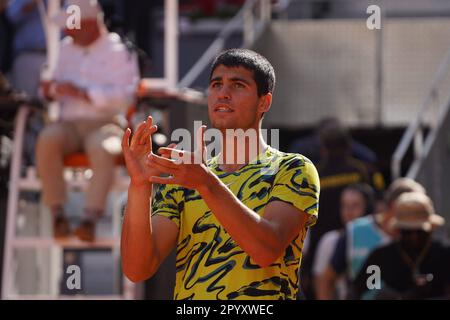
{"x":209,"y":264}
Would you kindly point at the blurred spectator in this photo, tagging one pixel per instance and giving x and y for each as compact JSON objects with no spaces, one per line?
{"x":356,"y":200}
{"x":6,"y":32}
{"x":5,"y":87}
{"x":312,"y":147}
{"x":337,"y":170}
{"x":415,"y":266}
{"x":29,"y":46}
{"x":309,"y":146}
{"x":95,"y":80}
{"x":361,"y":236}
{"x":9,"y":101}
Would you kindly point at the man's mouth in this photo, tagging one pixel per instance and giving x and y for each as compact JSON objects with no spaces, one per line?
{"x":223,"y":108}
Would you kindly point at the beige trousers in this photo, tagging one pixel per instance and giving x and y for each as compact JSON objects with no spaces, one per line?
{"x":100,"y":140}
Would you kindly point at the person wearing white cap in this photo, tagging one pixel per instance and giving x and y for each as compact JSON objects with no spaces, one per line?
{"x":415,"y":266}
{"x":95,"y":80}
{"x":87,"y":9}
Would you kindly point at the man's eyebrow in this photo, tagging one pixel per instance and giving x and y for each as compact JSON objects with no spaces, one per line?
{"x":215,"y":79}
{"x":237,"y":79}
{"x":234,"y":79}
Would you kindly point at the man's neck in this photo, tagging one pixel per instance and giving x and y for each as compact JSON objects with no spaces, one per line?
{"x":235,"y":154}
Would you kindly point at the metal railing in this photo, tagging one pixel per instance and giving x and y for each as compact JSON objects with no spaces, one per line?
{"x":251,"y":19}
{"x":415,"y":133}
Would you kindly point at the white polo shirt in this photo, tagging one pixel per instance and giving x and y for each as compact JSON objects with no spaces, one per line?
{"x":106,"y":69}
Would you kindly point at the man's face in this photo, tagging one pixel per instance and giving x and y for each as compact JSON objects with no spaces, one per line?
{"x":414,"y":239}
{"x":353,"y":205}
{"x":233,"y":100}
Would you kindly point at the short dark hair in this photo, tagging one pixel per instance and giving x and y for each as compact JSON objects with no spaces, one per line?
{"x":263,"y":71}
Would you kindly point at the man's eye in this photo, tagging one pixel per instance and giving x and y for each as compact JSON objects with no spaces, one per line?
{"x":215,"y":85}
{"x":238,"y":85}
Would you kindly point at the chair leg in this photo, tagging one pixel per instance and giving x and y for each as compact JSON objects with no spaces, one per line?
{"x":13,"y":200}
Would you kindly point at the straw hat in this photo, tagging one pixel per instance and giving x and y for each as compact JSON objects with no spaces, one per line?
{"x":415,"y":211}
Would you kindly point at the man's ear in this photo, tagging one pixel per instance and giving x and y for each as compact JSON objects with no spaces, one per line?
{"x":265,"y":103}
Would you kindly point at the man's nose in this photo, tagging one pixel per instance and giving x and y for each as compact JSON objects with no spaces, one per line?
{"x":224,"y":93}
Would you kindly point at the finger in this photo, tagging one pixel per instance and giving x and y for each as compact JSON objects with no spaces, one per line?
{"x":199,"y":152}
{"x":160,"y":168}
{"x":150,"y":121}
{"x":138,"y":134}
{"x":126,"y":140}
{"x":167,"y":154}
{"x":179,"y":156}
{"x":162,"y":180}
{"x":166,"y":150}
{"x":153,"y":159}
{"x":200,"y":143}
{"x":146,"y":135}
{"x":172,"y":145}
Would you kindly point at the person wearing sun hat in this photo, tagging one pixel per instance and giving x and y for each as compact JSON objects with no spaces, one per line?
{"x":362,"y":236}
{"x":414,"y":266}
{"x":415,"y":211}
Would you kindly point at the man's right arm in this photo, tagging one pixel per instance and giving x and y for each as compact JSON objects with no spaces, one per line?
{"x":146,"y":241}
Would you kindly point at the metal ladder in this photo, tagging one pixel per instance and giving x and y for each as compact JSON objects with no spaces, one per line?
{"x":49,"y":264}
{"x":430,"y":148}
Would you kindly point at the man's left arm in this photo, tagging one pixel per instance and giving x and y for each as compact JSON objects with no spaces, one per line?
{"x":293,"y":204}
{"x":264,"y":238}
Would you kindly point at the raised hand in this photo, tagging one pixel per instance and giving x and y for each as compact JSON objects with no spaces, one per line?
{"x":137,"y":150}
{"x":185,"y":168}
